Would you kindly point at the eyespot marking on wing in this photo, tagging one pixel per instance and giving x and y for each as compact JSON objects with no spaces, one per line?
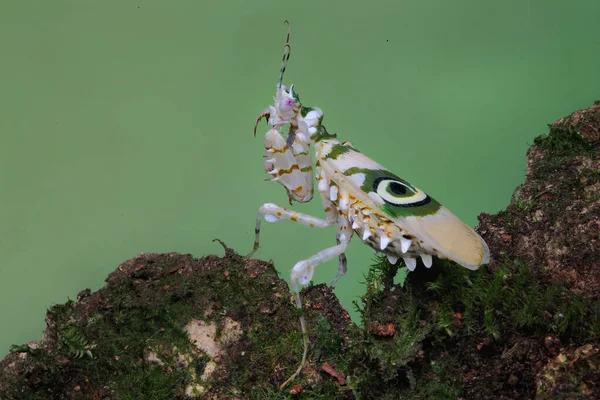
{"x":400,"y":198}
{"x":399,"y":193}
{"x":425,"y":221}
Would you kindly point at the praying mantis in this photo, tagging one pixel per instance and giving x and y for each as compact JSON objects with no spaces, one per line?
{"x":359,"y":196}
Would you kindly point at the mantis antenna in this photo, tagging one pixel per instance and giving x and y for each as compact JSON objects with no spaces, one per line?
{"x":286,"y":55}
{"x":284,"y":61}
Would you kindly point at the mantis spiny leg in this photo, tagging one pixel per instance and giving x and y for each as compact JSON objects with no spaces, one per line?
{"x":303,"y":272}
{"x":273,"y":213}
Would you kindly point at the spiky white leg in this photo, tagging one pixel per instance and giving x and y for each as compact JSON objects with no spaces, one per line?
{"x":273,"y":213}
{"x":302,"y":273}
{"x":303,"y":270}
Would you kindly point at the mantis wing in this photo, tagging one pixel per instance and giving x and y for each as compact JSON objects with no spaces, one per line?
{"x":436,"y":229}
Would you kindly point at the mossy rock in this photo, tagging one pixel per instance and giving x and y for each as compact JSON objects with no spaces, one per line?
{"x":168,"y":326}
{"x":494,"y":333}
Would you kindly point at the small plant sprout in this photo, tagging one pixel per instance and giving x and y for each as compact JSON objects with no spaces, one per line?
{"x":358,"y":194}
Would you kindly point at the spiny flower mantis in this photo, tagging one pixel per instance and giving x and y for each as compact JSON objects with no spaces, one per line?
{"x":358,"y":194}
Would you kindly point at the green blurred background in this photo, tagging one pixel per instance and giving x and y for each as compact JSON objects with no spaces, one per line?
{"x":126,"y":126}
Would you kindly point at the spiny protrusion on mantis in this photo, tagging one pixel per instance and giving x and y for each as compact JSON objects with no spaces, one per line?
{"x":392,"y":259}
{"x":411,"y":263}
{"x":427,"y":260}
{"x":405,"y":243}
{"x":384,"y":241}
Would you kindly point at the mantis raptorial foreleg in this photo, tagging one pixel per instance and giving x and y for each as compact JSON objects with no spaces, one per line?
{"x":273,"y":212}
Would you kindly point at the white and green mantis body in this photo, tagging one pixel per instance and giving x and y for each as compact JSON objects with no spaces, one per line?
{"x":359,"y":196}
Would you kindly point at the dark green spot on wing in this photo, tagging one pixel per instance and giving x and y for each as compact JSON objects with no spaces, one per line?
{"x":322,"y":134}
{"x":339,"y":149}
{"x":305,"y":110}
{"x":420,"y":209}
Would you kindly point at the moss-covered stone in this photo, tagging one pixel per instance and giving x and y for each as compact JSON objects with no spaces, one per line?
{"x":140,"y":336}
{"x":168,"y":326}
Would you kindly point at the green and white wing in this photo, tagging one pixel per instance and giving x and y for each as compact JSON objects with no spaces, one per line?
{"x":438,"y":231}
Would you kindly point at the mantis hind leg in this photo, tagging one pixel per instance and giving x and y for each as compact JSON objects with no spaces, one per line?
{"x":302,"y":273}
{"x":343,"y":262}
{"x":344,"y":233}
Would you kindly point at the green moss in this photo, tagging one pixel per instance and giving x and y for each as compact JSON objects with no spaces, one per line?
{"x":451,"y":302}
{"x":512,"y":295}
{"x":555,"y":158}
{"x":376,"y":280}
{"x":442,"y":381}
{"x":380,"y":363}
{"x":328,"y":344}
{"x":565,"y":140}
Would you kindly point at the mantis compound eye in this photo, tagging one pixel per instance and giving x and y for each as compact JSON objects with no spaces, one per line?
{"x":288,"y":101}
{"x":287,"y":104}
{"x":398,"y":193}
